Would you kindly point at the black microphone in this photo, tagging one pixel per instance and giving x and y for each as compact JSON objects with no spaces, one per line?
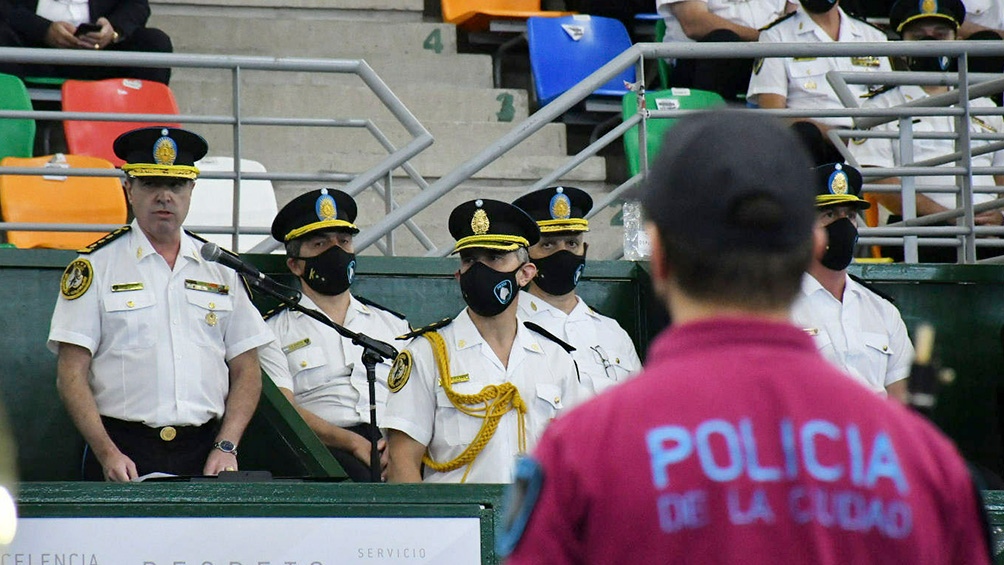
{"x":212,"y":252}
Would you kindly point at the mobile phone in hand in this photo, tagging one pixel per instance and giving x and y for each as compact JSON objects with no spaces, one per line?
{"x":86,"y":28}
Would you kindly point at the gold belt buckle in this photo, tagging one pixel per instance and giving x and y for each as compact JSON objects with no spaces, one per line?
{"x":168,"y":433}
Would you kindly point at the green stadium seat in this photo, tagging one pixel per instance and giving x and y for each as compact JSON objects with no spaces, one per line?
{"x":673,"y":99}
{"x":17,"y":137}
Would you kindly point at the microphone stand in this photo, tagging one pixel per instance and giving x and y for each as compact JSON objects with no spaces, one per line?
{"x":374,"y":351}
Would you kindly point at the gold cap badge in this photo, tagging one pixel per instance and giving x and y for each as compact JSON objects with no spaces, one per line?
{"x":165,"y":150}
{"x":480,"y":223}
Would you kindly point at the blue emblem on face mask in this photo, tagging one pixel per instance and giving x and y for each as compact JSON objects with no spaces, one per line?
{"x":351,"y":270}
{"x":578,"y":273}
{"x":503,"y":291}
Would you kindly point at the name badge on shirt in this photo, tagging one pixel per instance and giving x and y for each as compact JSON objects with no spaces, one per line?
{"x":126,"y":287}
{"x":976,"y":120}
{"x":803,"y":59}
{"x":207,"y":287}
{"x":460,"y":378}
{"x":811,"y":331}
{"x":298,"y":345}
{"x":865,"y":61}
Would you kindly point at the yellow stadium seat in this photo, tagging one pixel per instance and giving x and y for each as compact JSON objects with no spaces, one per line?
{"x":60,"y":199}
{"x":476,"y":16}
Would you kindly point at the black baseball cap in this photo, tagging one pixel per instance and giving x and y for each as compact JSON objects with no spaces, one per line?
{"x":713,"y":166}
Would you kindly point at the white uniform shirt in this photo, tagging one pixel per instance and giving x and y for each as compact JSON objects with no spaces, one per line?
{"x":864,"y":335}
{"x":750,"y":13}
{"x":802,"y":81}
{"x":542,"y":371}
{"x":74,"y":11}
{"x":886,"y":152}
{"x":325,"y":370}
{"x":987,"y":13}
{"x":160,"y":339}
{"x":603,"y":352}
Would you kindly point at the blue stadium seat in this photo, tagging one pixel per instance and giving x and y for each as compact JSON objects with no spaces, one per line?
{"x":565,"y":50}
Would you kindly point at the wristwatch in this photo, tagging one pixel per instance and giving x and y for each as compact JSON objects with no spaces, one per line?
{"x":226,"y":446}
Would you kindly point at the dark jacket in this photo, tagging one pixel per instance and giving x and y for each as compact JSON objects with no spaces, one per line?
{"x":126,"y":16}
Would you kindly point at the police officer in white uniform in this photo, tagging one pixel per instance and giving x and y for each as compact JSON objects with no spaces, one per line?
{"x":157,"y":347}
{"x":717,"y":21}
{"x":800,"y":82}
{"x":917,"y":21}
{"x":469,"y":395}
{"x":603,"y":352}
{"x":321,"y":372}
{"x":854,"y":328}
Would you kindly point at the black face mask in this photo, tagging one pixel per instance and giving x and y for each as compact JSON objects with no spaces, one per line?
{"x":818,"y":6}
{"x":932,"y":64}
{"x":558,"y":273}
{"x":486,"y":291}
{"x":331,"y":272}
{"x":842,"y":237}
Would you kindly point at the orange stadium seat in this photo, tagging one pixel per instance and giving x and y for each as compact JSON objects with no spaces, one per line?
{"x":116,"y":95}
{"x":60,"y":199}
{"x":476,"y":16}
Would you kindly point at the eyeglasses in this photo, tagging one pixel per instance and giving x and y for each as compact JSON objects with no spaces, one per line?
{"x":601,"y":358}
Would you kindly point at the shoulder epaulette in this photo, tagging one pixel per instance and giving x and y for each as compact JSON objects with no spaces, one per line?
{"x":369,"y":302}
{"x":534,"y":327}
{"x":433,"y":326}
{"x":275,"y":311}
{"x":104,"y":240}
{"x":871,"y":288}
{"x":873,"y":92}
{"x":777,"y":21}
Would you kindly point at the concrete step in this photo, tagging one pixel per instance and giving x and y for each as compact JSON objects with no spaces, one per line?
{"x":327,"y":38}
{"x":429,"y":102}
{"x":400,"y":73}
{"x":354,"y":150}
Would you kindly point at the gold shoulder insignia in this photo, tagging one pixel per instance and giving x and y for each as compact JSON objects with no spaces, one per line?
{"x":76,"y":279}
{"x":433,"y":326}
{"x":104,"y":240}
{"x":274,"y":312}
{"x":757,"y":65}
{"x":777,"y":21}
{"x":400,"y":371}
{"x":873,"y":92}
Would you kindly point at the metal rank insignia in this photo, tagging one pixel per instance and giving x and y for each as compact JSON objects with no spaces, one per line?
{"x":872,"y":62}
{"x":325,"y":207}
{"x":76,"y":279}
{"x":480,"y":222}
{"x":838,"y":181}
{"x":212,"y":318}
{"x":561,"y":206}
{"x":810,"y":85}
{"x":165,"y":149}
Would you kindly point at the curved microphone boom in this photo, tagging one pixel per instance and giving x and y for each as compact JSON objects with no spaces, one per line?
{"x":212,"y":252}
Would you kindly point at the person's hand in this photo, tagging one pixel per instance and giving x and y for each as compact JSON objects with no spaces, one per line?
{"x":60,"y":36}
{"x":99,"y":39}
{"x":219,"y":461}
{"x":118,"y":467}
{"x":989,"y":218}
{"x":361,"y":450}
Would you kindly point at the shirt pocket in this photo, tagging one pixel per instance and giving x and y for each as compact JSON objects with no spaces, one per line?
{"x":129,"y":320}
{"x":878,"y":351}
{"x":458,"y":429}
{"x":810,"y":77}
{"x":550,"y":400}
{"x":210,"y":313}
{"x":307,"y":367}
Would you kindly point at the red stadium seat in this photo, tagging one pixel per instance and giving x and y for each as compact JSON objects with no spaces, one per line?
{"x":120,"y":96}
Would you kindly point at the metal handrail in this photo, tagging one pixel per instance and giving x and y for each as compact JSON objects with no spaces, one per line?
{"x":420,"y":140}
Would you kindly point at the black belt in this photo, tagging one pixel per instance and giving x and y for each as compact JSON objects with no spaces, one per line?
{"x":164,"y":434}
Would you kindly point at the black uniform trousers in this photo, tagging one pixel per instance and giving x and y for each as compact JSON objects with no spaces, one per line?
{"x":728,"y":77}
{"x":142,"y":40}
{"x":357,"y":470}
{"x":184,"y":455}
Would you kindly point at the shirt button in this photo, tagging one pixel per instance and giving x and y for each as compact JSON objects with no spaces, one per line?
{"x":557,"y":399}
{"x":303,"y":363}
{"x":130,"y":304}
